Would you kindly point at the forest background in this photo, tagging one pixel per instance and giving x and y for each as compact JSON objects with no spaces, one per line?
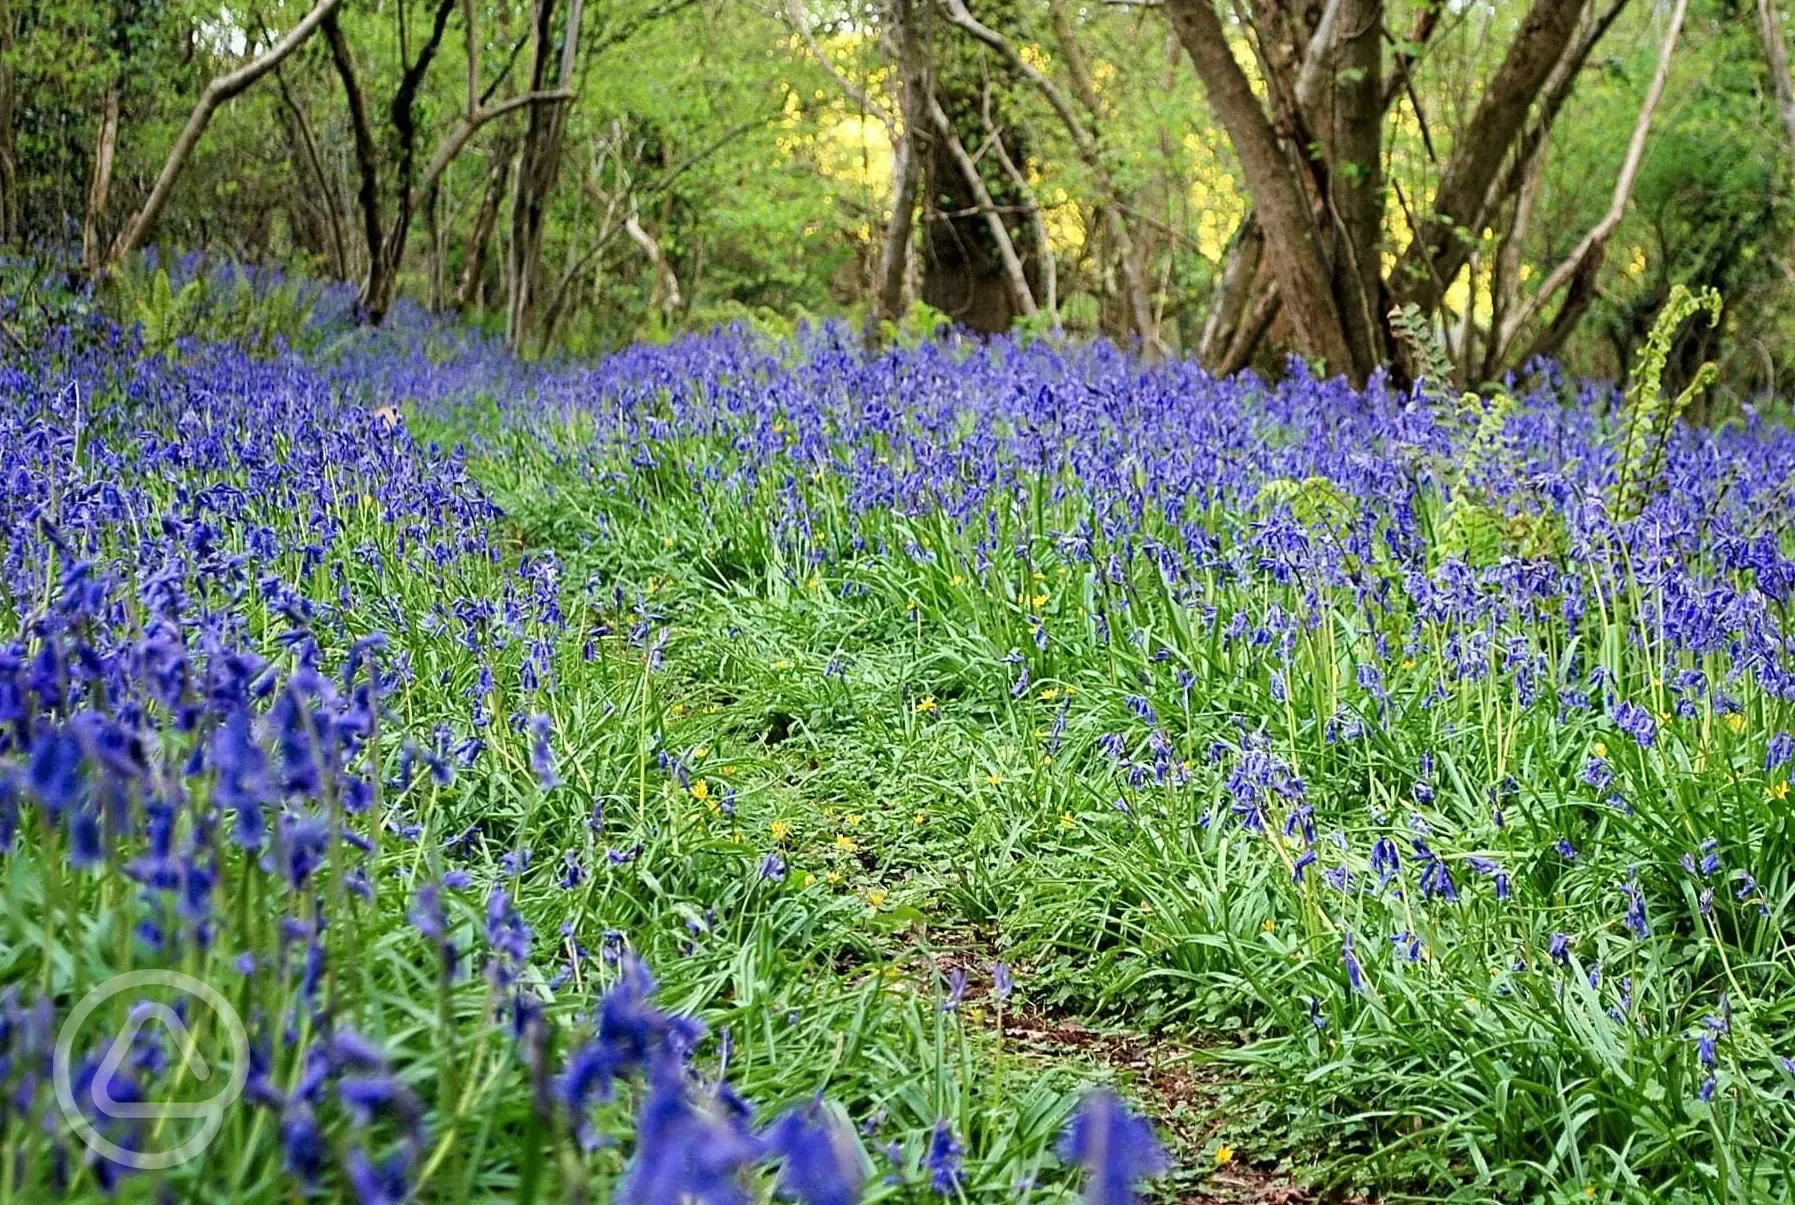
{"x":1525,"y":177}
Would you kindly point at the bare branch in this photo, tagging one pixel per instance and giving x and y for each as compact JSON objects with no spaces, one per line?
{"x":221,"y":89}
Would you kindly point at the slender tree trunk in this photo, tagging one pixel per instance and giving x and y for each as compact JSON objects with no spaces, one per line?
{"x":1240,"y":268}
{"x":1356,"y":178}
{"x":1776,"y":52}
{"x":327,"y":188}
{"x":1302,"y":275}
{"x":1014,"y":277}
{"x":538,"y":166}
{"x":217,"y":92}
{"x":99,"y":188}
{"x":473,"y":266}
{"x":367,"y":165}
{"x":1439,"y":248}
{"x":906,"y":167}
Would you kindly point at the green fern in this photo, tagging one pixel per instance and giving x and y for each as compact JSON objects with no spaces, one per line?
{"x":1433,"y":366}
{"x":1647,"y":416}
{"x":1313,"y":501}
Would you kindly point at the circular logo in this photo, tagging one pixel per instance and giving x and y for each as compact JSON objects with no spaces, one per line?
{"x":184,"y":1054}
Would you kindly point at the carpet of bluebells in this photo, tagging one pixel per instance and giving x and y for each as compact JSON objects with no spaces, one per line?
{"x":687,"y":777}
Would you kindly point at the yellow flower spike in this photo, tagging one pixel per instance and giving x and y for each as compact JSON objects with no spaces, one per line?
{"x":1224,"y":1155}
{"x":700,"y":752}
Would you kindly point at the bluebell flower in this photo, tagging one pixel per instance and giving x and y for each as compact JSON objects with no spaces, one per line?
{"x":942,"y":1161}
{"x":1116,"y":1148}
{"x":821,"y":1162}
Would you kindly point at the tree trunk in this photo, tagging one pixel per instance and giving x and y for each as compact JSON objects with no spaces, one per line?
{"x":906,"y":167}
{"x":537,"y":168}
{"x":1440,"y":246}
{"x":473,"y":265}
{"x":221,"y":89}
{"x":983,"y":311}
{"x":9,"y":170}
{"x":99,"y":188}
{"x":1777,"y":53}
{"x":1301,"y":274}
{"x":367,"y":165}
{"x":1356,"y":178}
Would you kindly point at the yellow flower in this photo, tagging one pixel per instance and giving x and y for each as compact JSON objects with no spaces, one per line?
{"x":782,"y":829}
{"x":1050,"y":694}
{"x":853,"y":819}
{"x":834,"y":877}
{"x":845,"y":843}
{"x":1066,"y":821}
{"x":700,"y":752}
{"x":926,"y":704}
{"x":1735,"y":721}
{"x":1408,"y":663}
{"x":810,"y":878}
{"x":959,"y":580}
{"x":782,"y":665}
{"x":1270,"y":925}
{"x":994,"y":780}
{"x":1471,"y":1003}
{"x":1780,"y":791}
{"x":1224,"y":1155}
{"x":875,"y":900}
{"x":1041,"y":600}
{"x":815,"y":582}
{"x":701,"y":790}
{"x":920,"y":819}
{"x":666,"y":541}
{"x":1599,"y":749}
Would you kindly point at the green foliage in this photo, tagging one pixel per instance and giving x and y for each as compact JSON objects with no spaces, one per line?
{"x":1648,"y":415}
{"x":1433,"y":367}
{"x":258,"y":315}
{"x":1313,"y":502}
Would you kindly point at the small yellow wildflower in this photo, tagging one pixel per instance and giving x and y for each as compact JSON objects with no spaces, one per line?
{"x":781,"y":665}
{"x":959,"y":580}
{"x":1735,"y":721}
{"x":875,"y":900}
{"x":815,"y":582}
{"x":1779,"y":791}
{"x":920,"y":819}
{"x":701,"y":790}
{"x":1270,"y":925}
{"x":810,"y":878}
{"x":1408,"y":663}
{"x":1224,"y":1155}
{"x":1050,"y":694}
{"x":853,"y":819}
{"x":834,"y":877}
{"x":666,"y":541}
{"x":926,"y":704}
{"x":1599,"y":749}
{"x":994,"y":780}
{"x":782,"y":830}
{"x":846,"y":844}
{"x":1041,"y":600}
{"x":700,"y":752}
{"x":1066,"y":823}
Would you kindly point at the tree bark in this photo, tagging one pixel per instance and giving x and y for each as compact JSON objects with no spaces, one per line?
{"x":1586,"y":259}
{"x":367,"y":163}
{"x":1776,"y":52}
{"x":1355,"y":174}
{"x":1015,"y":279}
{"x":9,"y":172}
{"x":99,"y":189}
{"x":1301,"y":274}
{"x":906,"y":167}
{"x":1443,"y":242}
{"x":221,"y":89}
{"x":473,"y":266}
{"x":538,"y":164}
